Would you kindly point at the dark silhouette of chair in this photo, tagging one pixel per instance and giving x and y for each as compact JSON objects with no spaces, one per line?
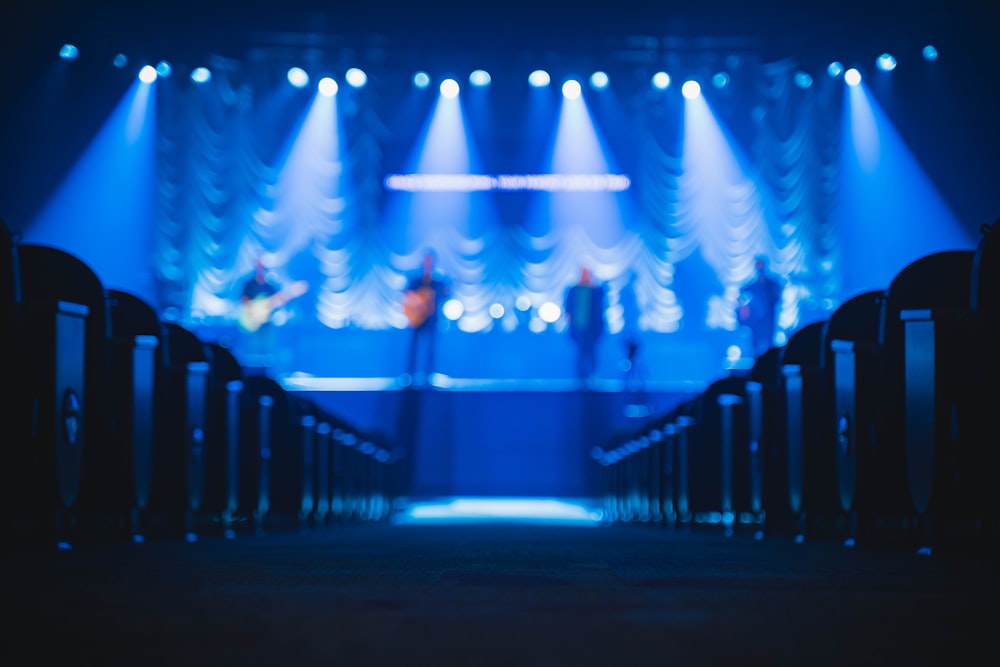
{"x":942,"y":355}
{"x":136,"y":339}
{"x":223,"y":422}
{"x":272,"y":463}
{"x":769,"y":443}
{"x":179,"y":460}
{"x":61,"y":359}
{"x":809,"y":461}
{"x":718,"y":454}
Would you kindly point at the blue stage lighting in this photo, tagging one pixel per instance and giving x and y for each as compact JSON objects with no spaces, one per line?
{"x":355,"y":77}
{"x":691,"y":89}
{"x":539,"y":78}
{"x":886,"y":62}
{"x":852,"y":77}
{"x":661,"y":80}
{"x":929,"y":53}
{"x":200,"y":75}
{"x":163,"y":69}
{"x":327,"y":87}
{"x":479,"y":78}
{"x":120,"y":60}
{"x":68,"y":52}
{"x":803,"y":80}
{"x":421,"y":79}
{"x":835,"y":69}
{"x":720,"y":80}
{"x":571,"y":89}
{"x":449,"y":88}
{"x":599,"y":80}
{"x":147,"y":74}
{"x":298,"y":77}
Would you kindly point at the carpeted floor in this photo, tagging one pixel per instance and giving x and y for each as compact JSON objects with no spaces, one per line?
{"x":497,"y":594}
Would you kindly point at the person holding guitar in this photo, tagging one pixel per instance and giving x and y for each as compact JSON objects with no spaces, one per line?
{"x":422,"y":300}
{"x":259,"y":300}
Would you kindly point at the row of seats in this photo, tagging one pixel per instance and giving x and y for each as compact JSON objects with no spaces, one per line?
{"x":875,"y":423}
{"x":118,"y":424}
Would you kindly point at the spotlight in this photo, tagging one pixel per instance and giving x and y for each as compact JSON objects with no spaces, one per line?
{"x":720,"y":80}
{"x":200,"y":75}
{"x":691,"y":89}
{"x":661,"y":81}
{"x":327,"y":87}
{"x":421,"y":79}
{"x":480,"y":78}
{"x":852,"y":77}
{"x":120,"y":60}
{"x":163,"y":69}
{"x":147,"y":74}
{"x":298,"y":77}
{"x":449,"y":88}
{"x":599,"y":80}
{"x":356,"y":77}
{"x":68,"y":52}
{"x":803,"y":80}
{"x":539,"y":78}
{"x":886,"y":62}
{"x":929,"y":53}
{"x":835,"y":69}
{"x":571,"y":89}
{"x":496,"y":311}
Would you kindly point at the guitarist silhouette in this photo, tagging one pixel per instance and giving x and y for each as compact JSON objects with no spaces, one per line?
{"x":258,"y":301}
{"x":421,"y":302}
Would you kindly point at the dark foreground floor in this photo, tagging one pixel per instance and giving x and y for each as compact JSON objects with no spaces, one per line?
{"x":511,"y":594}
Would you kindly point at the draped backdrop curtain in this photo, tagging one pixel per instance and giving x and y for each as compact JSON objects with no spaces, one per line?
{"x":245,"y":172}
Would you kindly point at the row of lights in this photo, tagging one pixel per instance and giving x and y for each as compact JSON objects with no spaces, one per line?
{"x":357,"y":78}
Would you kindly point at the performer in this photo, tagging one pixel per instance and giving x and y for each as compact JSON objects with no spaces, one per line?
{"x":584,"y":306}
{"x":259,"y":299}
{"x":758,"y":306}
{"x":422,"y":300}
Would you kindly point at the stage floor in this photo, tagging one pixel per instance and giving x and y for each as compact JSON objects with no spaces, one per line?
{"x":500,"y":437}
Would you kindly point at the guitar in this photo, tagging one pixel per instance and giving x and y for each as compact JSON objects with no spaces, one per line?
{"x":257,"y":312}
{"x":418,"y":305}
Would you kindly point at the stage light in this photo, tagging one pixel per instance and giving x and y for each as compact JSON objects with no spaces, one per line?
{"x":356,"y":77}
{"x":571,"y":89}
{"x":421,"y":79}
{"x":886,"y":62}
{"x":522,"y":303}
{"x":453,"y":309}
{"x":549,"y":312}
{"x":480,"y":78}
{"x":120,"y":61}
{"x":327,"y":87}
{"x":803,"y":80}
{"x":496,"y":311}
{"x":691,"y":89}
{"x":852,"y":77}
{"x":147,"y":74}
{"x":599,"y":80}
{"x":298,"y":77}
{"x":200,"y":75}
{"x":929,"y":53}
{"x":835,"y":69}
{"x":68,"y":52}
{"x":163,"y":69}
{"x":661,"y":81}
{"x":449,"y":88}
{"x":539,"y":78}
{"x":720,"y":80}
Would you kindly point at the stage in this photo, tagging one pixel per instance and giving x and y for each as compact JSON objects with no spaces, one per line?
{"x":507,"y":438}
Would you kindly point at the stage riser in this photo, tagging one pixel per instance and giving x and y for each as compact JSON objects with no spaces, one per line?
{"x":494,"y":443}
